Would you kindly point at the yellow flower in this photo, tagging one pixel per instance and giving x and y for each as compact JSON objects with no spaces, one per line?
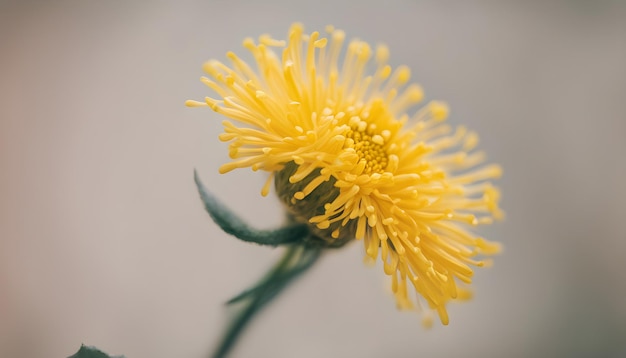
{"x":347,"y":158}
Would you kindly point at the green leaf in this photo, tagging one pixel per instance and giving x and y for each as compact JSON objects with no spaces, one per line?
{"x":232,"y":224}
{"x":296,"y":260}
{"x":91,"y":352}
{"x":283,"y":275}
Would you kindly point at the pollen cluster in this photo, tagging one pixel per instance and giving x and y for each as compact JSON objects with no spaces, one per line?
{"x":368,"y":145}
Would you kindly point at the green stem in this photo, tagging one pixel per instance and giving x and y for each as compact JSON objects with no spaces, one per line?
{"x":296,"y":260}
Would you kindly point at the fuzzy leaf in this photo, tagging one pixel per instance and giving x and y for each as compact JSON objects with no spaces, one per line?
{"x":91,"y":352}
{"x":232,"y":224}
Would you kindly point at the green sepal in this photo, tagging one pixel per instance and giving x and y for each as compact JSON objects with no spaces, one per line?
{"x":91,"y":352}
{"x":232,"y":224}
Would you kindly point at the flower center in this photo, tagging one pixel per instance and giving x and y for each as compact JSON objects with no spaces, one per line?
{"x":368,"y":144}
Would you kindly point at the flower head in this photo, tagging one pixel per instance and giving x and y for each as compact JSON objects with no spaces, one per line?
{"x":347,"y":158}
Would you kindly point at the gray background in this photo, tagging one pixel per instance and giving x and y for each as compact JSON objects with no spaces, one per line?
{"x":103,"y":239}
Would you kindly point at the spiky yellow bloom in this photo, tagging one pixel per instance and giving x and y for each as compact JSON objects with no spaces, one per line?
{"x":348,"y":160}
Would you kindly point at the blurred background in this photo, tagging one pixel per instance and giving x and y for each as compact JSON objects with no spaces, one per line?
{"x":103,"y":239}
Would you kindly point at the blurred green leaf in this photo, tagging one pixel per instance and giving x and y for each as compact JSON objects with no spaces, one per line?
{"x":91,"y":352}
